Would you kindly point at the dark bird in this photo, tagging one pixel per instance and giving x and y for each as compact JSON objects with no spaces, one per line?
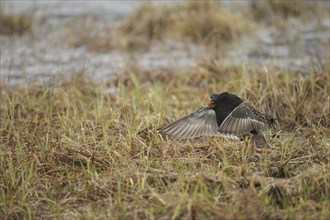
{"x":227,"y":115}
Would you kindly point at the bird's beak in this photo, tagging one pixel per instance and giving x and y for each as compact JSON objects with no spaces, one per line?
{"x":211,"y":104}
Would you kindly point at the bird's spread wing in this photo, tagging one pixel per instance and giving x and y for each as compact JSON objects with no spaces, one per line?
{"x":199,"y":123}
{"x":243,"y":120}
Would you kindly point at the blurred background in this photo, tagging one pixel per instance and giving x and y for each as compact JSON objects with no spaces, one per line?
{"x":46,"y":41}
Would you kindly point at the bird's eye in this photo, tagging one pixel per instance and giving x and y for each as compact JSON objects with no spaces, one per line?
{"x":214,"y":96}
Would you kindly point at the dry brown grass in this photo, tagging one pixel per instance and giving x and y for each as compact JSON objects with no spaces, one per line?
{"x":89,"y":33}
{"x":206,"y":23}
{"x":274,"y":10}
{"x":17,"y":24}
{"x":71,"y":151}
{"x":202,"y":22}
{"x":145,"y":24}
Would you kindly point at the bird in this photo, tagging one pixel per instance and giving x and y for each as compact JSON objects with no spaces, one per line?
{"x":226,"y":115}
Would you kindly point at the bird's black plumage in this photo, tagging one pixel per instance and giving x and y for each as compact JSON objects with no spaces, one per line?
{"x":228,"y":115}
{"x":224,"y":104}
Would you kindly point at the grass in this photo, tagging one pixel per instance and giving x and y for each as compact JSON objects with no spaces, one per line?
{"x":89,"y":33}
{"x":206,"y":23}
{"x":73,"y":151}
{"x":17,"y":24}
{"x":201,"y":22}
{"x":273,"y":11}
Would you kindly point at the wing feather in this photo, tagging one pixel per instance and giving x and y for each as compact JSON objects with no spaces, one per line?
{"x":199,"y":123}
{"x":242,"y":120}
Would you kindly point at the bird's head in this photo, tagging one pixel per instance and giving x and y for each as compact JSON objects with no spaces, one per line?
{"x":214,"y":99}
{"x":224,"y":98}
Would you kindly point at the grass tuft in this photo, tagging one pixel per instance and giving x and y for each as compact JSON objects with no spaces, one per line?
{"x":273,"y":10}
{"x":17,"y":24}
{"x":202,"y":22}
{"x":87,"y":32}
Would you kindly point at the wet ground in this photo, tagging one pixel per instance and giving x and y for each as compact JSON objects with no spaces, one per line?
{"x":44,"y":55}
